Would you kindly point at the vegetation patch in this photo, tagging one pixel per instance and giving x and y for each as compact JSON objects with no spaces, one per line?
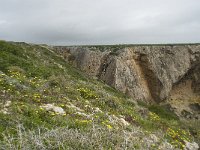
{"x":163,"y":112}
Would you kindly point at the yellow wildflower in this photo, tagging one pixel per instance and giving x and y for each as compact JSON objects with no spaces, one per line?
{"x":109,"y":126}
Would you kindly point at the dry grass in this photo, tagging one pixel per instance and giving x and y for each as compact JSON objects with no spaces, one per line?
{"x":66,"y":138}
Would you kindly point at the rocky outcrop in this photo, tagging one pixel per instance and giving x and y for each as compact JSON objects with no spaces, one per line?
{"x":150,"y":73}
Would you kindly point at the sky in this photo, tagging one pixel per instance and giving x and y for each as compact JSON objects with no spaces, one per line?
{"x":80,"y":22}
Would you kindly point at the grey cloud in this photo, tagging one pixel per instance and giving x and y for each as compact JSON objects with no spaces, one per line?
{"x":100,"y":22}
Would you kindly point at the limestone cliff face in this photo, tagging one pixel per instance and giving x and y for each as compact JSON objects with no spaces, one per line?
{"x":149,"y":73}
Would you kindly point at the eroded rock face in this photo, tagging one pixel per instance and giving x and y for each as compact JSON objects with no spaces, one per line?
{"x":149,"y":73}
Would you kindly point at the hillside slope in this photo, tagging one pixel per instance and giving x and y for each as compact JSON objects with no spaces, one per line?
{"x":47,"y":104}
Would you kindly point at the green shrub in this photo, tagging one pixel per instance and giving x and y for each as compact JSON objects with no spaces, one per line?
{"x":87,"y":93}
{"x":163,"y":112}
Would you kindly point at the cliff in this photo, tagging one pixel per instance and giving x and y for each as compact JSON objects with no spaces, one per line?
{"x":150,"y":73}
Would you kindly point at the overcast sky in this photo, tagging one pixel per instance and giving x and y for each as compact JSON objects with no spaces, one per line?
{"x":67,"y":22}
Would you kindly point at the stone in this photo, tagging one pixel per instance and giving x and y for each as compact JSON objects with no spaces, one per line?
{"x":89,"y":116}
{"x":123,"y":122}
{"x":97,"y":110}
{"x":4,"y":110}
{"x":7,"y":104}
{"x":191,"y":146}
{"x":52,"y":107}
